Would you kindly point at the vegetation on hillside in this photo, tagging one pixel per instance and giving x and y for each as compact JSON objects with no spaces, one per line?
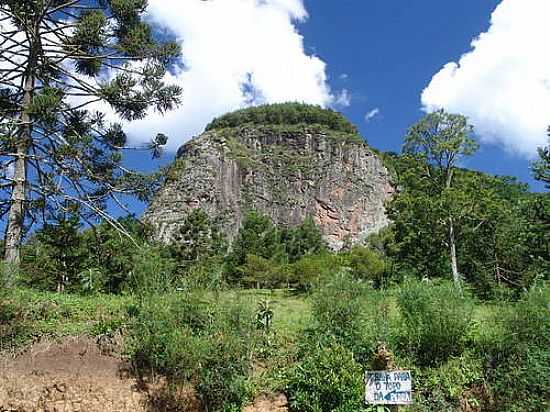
{"x":286,"y":114}
{"x":277,"y":311}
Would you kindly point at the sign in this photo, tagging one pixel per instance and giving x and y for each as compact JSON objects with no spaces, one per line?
{"x":388,"y":388}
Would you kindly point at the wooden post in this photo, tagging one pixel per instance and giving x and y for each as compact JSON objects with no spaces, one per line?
{"x":383,"y":360}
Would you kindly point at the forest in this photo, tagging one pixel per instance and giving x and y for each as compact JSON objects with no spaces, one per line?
{"x":455,"y":289}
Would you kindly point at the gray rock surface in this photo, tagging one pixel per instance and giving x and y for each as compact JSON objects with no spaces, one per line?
{"x":288,"y":174}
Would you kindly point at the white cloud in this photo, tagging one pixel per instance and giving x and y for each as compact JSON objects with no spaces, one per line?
{"x":343,"y":98}
{"x":503,"y":83}
{"x":235,"y":53}
{"x":372,"y":114}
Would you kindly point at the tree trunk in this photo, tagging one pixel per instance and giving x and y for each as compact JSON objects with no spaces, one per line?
{"x":452,"y":251}
{"x":16,"y":215}
{"x":452,"y":239}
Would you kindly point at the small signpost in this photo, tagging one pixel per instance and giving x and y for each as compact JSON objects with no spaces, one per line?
{"x":388,"y":387}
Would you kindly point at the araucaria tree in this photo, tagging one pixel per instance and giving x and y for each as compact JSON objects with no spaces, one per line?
{"x":61,"y":63}
{"x":440,"y":139}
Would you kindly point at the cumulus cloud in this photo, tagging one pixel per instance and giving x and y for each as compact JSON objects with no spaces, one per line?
{"x":371,"y":114}
{"x":503,"y":83}
{"x":235,"y":53}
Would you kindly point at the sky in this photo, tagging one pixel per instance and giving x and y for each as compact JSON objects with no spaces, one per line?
{"x":382,"y":63}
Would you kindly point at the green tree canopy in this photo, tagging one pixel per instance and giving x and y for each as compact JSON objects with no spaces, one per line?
{"x":541,"y":167}
{"x":197,"y":239}
{"x":284,"y":114}
{"x":440,"y":140}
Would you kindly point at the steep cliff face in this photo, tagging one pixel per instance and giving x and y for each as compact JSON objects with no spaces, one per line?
{"x":288,"y":173}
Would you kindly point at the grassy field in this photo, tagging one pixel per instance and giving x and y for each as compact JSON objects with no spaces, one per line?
{"x":55,"y":315}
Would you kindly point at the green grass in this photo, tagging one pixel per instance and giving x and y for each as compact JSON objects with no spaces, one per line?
{"x":55,"y":315}
{"x":291,"y":311}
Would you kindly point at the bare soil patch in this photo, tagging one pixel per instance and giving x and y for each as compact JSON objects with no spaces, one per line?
{"x":72,"y":375}
{"x":77,"y":374}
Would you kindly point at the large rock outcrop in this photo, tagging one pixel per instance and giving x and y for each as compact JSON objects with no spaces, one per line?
{"x":288,"y":173}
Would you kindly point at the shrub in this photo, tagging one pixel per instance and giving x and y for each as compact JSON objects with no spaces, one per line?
{"x":313,"y":270}
{"x":520,"y":356}
{"x":192,"y":340}
{"x":435,"y":320}
{"x":13,"y":329}
{"x":338,"y":313}
{"x":152,"y":272}
{"x":265,"y":272}
{"x":326,"y":379}
{"x":443,"y":388}
{"x":302,"y":240}
{"x":365,"y":264}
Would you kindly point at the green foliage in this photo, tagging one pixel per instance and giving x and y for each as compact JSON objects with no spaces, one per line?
{"x":197,"y":239}
{"x":338,"y":314}
{"x":104,"y":52}
{"x":365,"y":264}
{"x":53,"y":259}
{"x":313,"y":270}
{"x":152,"y":272}
{"x":314,"y":347}
{"x":520,"y":355}
{"x":435,"y":320}
{"x":284,"y":114}
{"x":441,"y":139}
{"x":112,"y":254}
{"x":327,"y":379}
{"x":100,"y":259}
{"x":541,"y":168}
{"x":304,"y":239}
{"x":28,"y":315}
{"x":257,"y":236}
{"x":263,"y":254}
{"x":192,"y":340}
{"x":265,"y":272}
{"x":456,"y":384}
{"x":500,"y":229}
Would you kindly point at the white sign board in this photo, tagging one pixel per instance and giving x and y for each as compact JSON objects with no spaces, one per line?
{"x":388,"y":387}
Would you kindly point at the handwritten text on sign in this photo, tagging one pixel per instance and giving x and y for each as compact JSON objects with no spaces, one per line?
{"x":388,"y":387}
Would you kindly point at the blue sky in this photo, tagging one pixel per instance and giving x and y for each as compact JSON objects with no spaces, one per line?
{"x":390,"y":49}
{"x":382,"y":54}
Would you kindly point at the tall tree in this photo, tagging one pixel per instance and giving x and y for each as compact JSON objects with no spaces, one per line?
{"x":541,"y":167}
{"x":441,"y":139}
{"x":61,"y":63}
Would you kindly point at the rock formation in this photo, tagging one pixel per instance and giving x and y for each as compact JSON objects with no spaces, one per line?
{"x":287,"y":172}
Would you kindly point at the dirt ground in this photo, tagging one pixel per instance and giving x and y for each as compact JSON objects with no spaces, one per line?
{"x":76,"y":375}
